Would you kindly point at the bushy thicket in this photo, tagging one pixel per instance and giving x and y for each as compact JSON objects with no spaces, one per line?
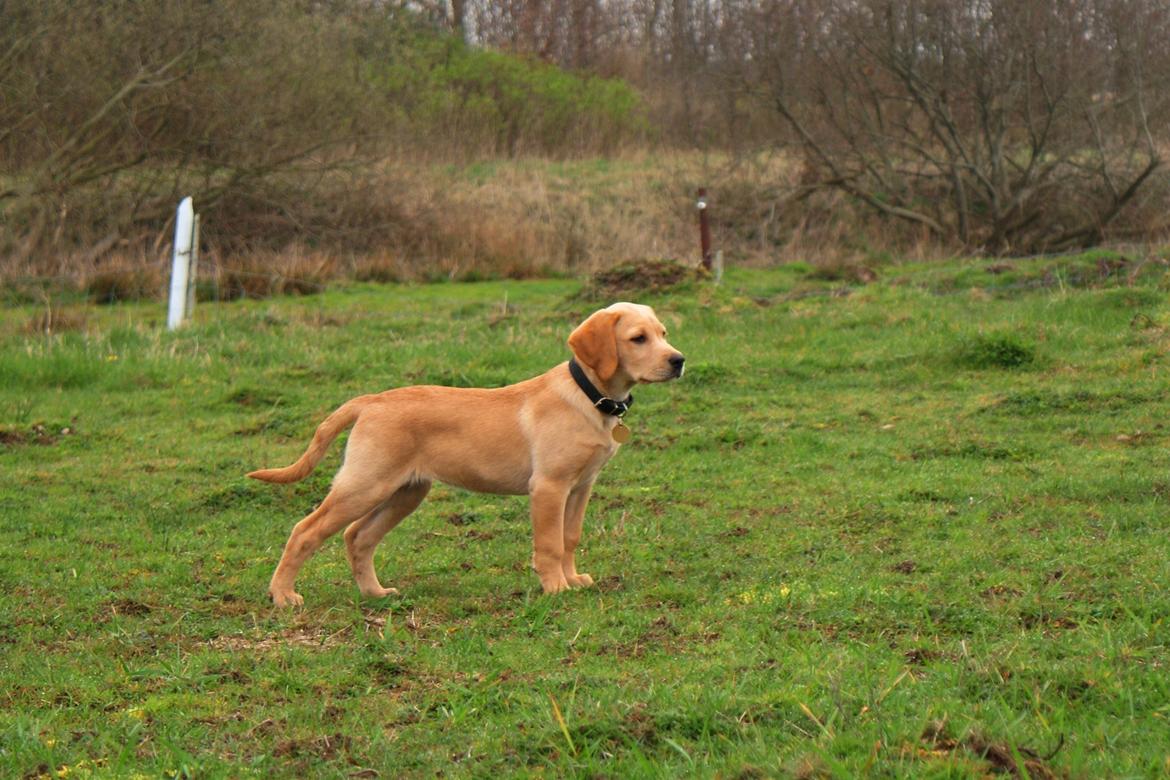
{"x":274,"y":114}
{"x":498,"y":104}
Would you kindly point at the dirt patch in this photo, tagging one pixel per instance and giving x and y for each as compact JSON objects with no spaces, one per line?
{"x":128,"y":607}
{"x":660,"y":636}
{"x":252,"y":396}
{"x":649,"y":276}
{"x":291,"y":637}
{"x":227,"y":604}
{"x":38,"y":434}
{"x":327,"y":747}
{"x":1000,"y":592}
{"x":458,"y":518}
{"x":1137,"y":438}
{"x":1045,"y":620}
{"x":639,"y":724}
{"x":610,"y":584}
{"x":307,"y":635}
{"x":921,"y":655}
{"x":1003,"y":757}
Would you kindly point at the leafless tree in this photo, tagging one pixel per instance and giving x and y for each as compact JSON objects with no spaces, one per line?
{"x":1007,"y":125}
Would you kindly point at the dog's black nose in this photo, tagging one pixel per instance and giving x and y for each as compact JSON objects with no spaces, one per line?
{"x":676,"y":362}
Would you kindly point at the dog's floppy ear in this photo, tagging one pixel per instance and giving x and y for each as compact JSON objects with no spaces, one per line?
{"x":594,"y":343}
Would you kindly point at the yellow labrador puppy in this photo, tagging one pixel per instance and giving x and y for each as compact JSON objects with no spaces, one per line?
{"x":547,"y":436}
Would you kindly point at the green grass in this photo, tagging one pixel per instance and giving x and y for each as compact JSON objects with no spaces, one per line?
{"x":877,"y":533}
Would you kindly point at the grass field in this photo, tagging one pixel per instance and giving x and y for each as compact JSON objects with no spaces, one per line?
{"x":914,"y":528}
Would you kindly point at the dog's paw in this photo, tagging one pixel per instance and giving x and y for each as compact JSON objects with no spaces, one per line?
{"x":287,"y":598}
{"x":554,"y":585}
{"x":580,"y":581}
{"x":380,"y":593}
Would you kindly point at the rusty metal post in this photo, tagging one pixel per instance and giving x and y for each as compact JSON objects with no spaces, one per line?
{"x":704,"y":228}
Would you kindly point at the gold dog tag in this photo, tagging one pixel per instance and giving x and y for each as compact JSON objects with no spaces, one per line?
{"x":621,"y":434}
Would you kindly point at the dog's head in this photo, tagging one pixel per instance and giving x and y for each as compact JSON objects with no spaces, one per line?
{"x":626,"y":340}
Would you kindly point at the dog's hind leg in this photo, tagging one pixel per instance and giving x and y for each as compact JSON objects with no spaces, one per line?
{"x":363,"y":535}
{"x":345,"y":503}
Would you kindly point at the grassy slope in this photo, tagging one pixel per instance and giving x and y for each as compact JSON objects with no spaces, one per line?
{"x":831,"y":536}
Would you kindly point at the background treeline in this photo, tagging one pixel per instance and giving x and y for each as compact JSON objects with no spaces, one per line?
{"x":391,"y":140}
{"x":989,"y":125}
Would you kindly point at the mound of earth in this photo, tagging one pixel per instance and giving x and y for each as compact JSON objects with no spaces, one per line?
{"x":647,"y":276}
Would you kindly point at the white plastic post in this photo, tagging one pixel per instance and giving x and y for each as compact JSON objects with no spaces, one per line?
{"x":181,"y":263}
{"x":193,"y":273}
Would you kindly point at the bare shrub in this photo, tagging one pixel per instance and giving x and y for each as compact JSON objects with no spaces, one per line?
{"x":115,"y":108}
{"x":275,"y":115}
{"x":1002,"y":125}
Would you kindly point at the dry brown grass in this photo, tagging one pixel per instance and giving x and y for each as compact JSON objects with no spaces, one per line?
{"x":412,"y":222}
{"x":498,"y":219}
{"x":535,"y":217}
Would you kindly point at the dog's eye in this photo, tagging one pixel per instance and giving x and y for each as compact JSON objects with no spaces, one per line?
{"x":638,"y":339}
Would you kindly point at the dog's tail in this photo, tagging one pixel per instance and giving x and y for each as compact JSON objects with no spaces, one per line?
{"x":327,"y":431}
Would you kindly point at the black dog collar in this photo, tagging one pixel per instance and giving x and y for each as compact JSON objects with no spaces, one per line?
{"x":604,"y":404}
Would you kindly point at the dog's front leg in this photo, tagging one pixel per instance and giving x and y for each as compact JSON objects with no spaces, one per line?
{"x":548,"y":528}
{"x":574,"y":519}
